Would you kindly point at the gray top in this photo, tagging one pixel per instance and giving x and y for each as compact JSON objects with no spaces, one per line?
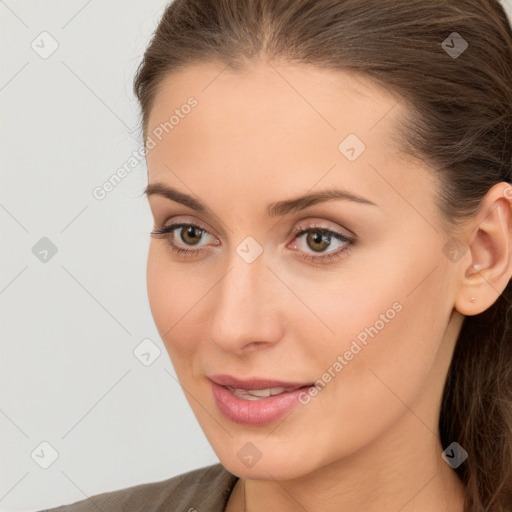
{"x":201,"y":490}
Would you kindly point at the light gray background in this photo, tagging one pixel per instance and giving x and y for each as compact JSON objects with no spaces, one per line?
{"x":69,"y":376}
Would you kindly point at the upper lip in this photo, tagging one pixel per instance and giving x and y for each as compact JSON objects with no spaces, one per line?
{"x":255,"y":383}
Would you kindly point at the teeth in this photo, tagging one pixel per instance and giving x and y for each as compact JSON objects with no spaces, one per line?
{"x":276,"y":391}
{"x":257,"y":394}
{"x":262,"y":393}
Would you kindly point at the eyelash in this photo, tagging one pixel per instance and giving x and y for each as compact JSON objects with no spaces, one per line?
{"x":165,"y":231}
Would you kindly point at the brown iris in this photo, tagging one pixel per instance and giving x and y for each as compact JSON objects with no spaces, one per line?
{"x":317,"y":237}
{"x":191,"y":232}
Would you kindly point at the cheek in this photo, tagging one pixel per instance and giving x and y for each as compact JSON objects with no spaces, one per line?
{"x":174,"y":294}
{"x":157,"y":280}
{"x":166,"y":292}
{"x":388,"y":342}
{"x":384,"y":324}
{"x":390,"y":310}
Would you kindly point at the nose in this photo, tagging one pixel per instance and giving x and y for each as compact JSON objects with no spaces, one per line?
{"x":246,"y":311}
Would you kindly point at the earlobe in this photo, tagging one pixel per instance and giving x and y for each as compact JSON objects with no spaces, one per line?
{"x":469,"y":300}
{"x":487,"y":269}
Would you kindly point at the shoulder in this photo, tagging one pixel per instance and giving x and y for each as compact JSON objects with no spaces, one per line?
{"x":201,"y":490}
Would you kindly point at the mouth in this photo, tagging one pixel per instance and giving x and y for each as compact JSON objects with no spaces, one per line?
{"x":255,"y":401}
{"x":258,"y":394}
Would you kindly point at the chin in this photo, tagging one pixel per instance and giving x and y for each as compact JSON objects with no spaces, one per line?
{"x":272,"y":469}
{"x":262,"y":459}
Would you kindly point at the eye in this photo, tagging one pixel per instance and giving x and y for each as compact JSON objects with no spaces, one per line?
{"x":319,"y":238}
{"x":190,"y":234}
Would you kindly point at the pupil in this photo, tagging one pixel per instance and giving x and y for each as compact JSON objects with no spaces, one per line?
{"x":317,"y":238}
{"x":191,"y":232}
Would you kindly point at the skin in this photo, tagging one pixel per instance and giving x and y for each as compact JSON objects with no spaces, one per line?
{"x":369,"y":440}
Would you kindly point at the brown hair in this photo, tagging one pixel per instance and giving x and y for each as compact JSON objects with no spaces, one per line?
{"x":460,"y":122}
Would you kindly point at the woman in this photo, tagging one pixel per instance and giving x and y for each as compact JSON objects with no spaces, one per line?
{"x":330,"y":263}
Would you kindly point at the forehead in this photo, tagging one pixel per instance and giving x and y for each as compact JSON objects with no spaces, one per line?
{"x":277,"y":92}
{"x":276,"y":102}
{"x":273,"y":127}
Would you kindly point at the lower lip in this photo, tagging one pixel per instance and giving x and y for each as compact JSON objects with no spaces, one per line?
{"x":255,"y":412}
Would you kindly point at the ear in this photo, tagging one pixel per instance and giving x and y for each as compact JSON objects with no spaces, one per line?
{"x":487,"y":267}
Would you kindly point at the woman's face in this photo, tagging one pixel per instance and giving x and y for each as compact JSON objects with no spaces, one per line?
{"x":371,"y":323}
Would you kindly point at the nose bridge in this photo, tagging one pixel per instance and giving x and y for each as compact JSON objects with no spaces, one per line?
{"x":240,"y":313}
{"x":240,"y":290}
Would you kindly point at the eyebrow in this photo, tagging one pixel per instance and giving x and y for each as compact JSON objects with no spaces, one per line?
{"x":277,"y":209}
